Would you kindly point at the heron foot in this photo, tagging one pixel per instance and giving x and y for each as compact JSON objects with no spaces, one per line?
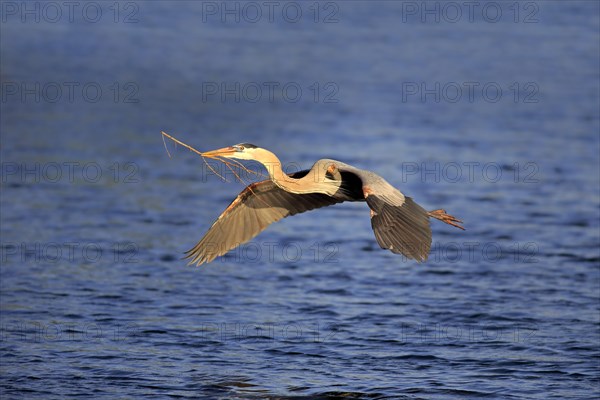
{"x":446,"y":218}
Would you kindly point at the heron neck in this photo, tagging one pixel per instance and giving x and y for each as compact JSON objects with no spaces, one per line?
{"x":276,"y":174}
{"x":311,"y":183}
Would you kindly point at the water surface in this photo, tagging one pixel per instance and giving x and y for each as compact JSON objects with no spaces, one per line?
{"x":95,"y":300}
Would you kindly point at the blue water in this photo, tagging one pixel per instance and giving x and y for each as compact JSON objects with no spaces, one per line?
{"x":96,"y":302}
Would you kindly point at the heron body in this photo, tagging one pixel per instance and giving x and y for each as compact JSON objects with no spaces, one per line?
{"x":400,"y":225}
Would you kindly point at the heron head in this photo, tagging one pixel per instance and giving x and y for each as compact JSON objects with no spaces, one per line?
{"x":242,"y":151}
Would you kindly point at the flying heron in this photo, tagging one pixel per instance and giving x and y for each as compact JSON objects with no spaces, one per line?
{"x":400,"y":224}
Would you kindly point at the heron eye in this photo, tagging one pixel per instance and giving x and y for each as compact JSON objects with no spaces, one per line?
{"x":240,"y":148}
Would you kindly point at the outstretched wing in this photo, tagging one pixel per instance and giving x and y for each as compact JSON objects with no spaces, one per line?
{"x":402,"y":228}
{"x":255,"y":208}
{"x":399,"y":224}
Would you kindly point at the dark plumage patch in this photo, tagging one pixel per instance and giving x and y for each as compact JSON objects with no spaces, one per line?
{"x":299,"y":174}
{"x":248,"y":145}
{"x":352,"y":185}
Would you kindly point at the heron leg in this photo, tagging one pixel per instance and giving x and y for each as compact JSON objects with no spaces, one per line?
{"x":446,"y":218}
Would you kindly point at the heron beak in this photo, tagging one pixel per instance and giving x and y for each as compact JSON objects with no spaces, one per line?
{"x":224,"y":152}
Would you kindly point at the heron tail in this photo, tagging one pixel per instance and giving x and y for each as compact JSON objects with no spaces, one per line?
{"x":446,"y":218}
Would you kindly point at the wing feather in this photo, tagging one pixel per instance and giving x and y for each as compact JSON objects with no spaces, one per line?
{"x":401,"y":229}
{"x":255,"y":208}
{"x":400,"y":225}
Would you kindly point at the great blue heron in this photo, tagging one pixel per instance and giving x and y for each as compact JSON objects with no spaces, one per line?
{"x":400,"y":224}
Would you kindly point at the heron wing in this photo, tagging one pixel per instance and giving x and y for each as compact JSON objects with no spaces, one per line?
{"x":255,"y":208}
{"x":399,"y":224}
{"x":403,"y":229}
